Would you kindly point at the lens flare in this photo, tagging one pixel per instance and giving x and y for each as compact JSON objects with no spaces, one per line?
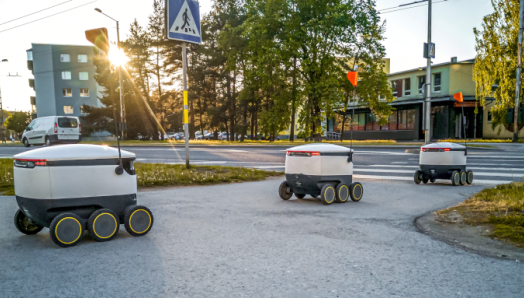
{"x":117,"y":57}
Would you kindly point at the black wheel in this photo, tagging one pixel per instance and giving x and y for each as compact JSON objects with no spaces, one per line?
{"x":25,"y":225}
{"x":300,"y":195}
{"x":425,"y":180}
{"x":26,"y":142}
{"x":314,"y":196}
{"x":327,"y":194}
{"x":284,"y":191}
{"x":103,"y":225}
{"x":66,"y":229}
{"x":356,"y":191}
{"x":432,"y":180}
{"x":469,"y":177}
{"x":417,"y":177}
{"x":342,"y":193}
{"x":455,"y":178}
{"x":463,"y":178}
{"x":47,"y":141}
{"x":138,"y":220}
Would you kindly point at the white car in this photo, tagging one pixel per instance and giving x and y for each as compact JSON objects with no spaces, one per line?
{"x":52,"y":130}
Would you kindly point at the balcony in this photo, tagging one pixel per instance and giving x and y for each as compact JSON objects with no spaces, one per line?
{"x":32,"y":83}
{"x":33,"y":100}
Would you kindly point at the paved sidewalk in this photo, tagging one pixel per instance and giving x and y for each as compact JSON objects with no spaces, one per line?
{"x":242,"y":240}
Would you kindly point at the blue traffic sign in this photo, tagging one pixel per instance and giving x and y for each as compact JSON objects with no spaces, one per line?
{"x":429,"y":52}
{"x":183,"y":21}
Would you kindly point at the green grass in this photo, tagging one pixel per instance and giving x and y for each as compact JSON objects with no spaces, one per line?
{"x":481,"y":141}
{"x":501,"y":208}
{"x":246,"y":143}
{"x":6,"y":177}
{"x":153,"y":175}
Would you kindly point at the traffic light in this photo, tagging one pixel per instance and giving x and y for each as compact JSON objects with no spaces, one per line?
{"x":99,"y":38}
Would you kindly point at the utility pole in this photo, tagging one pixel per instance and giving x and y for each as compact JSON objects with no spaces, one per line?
{"x":122,"y":129}
{"x":427,"y":106}
{"x":519,"y":70}
{"x":186,"y":103}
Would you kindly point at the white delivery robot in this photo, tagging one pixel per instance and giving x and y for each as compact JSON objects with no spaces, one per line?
{"x":320,"y":169}
{"x":443,"y":161}
{"x":72,"y":188}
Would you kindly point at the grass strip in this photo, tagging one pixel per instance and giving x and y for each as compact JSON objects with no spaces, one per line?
{"x":154,"y":175}
{"x":500,"y":208}
{"x":245,"y":143}
{"x":482,"y":141}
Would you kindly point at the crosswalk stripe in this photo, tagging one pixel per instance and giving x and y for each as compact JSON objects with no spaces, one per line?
{"x":476,"y":181}
{"x":468,"y":167}
{"x":411,"y":171}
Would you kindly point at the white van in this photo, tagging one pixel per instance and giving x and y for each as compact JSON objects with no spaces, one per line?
{"x":52,"y":130}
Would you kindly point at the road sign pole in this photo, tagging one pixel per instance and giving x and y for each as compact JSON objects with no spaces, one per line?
{"x":519,"y":70}
{"x":186,"y":111}
{"x":427,"y":106}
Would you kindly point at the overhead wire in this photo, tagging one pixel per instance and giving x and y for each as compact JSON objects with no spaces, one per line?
{"x":400,"y":7}
{"x":34,"y":13}
{"x":48,"y":16}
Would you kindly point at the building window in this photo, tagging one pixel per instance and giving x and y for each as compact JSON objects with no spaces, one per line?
{"x":489,"y":116}
{"x":65,"y":58}
{"x":82,"y":58}
{"x":66,"y":75}
{"x":83,"y":109}
{"x":410,"y":119}
{"x":84,"y":92}
{"x":67,"y":92}
{"x":394,"y":87}
{"x":68,"y":109}
{"x":407,"y":87}
{"x":82,"y":76}
{"x":392,"y":125}
{"x":421,"y":82}
{"x":437,"y":82}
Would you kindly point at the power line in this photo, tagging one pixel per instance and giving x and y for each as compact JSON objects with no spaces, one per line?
{"x":48,"y":16}
{"x":34,"y":13}
{"x":400,"y":7}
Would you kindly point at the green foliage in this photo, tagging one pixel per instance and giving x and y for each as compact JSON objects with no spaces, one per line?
{"x":18,"y":121}
{"x":496,"y":61}
{"x":6,"y":177}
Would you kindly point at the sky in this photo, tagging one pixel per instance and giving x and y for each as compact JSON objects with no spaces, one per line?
{"x":406,"y":31}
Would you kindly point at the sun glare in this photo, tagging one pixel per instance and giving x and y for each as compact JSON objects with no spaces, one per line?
{"x":117,"y":57}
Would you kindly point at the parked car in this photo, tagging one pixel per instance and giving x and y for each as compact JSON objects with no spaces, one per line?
{"x":223,"y":136}
{"x":179,"y":136}
{"x":52,"y":130}
{"x":209,"y":136}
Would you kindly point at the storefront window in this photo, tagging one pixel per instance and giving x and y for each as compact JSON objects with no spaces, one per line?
{"x":361,"y":121}
{"x":369,"y":121}
{"x":402,"y":119}
{"x":411,"y":119}
{"x":393,"y":121}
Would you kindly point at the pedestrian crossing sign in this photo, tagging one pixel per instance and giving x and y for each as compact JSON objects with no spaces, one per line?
{"x":183,"y":21}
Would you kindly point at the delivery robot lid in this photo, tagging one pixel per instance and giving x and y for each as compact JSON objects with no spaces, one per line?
{"x":444,"y":145}
{"x":74,"y":152}
{"x":321,"y":148}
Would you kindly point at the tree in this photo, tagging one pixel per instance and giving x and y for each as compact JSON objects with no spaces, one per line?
{"x":17,"y":122}
{"x":496,"y":61}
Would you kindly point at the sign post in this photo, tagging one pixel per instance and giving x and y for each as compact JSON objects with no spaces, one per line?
{"x":183,"y":24}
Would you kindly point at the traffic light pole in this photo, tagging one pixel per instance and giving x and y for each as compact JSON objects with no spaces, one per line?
{"x":427,"y":106}
{"x":519,"y":71}
{"x":186,"y":111}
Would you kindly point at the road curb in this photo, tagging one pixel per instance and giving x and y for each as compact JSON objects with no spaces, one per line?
{"x":467,"y":238}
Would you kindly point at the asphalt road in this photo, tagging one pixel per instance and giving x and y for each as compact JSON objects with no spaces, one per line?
{"x":242,"y":240}
{"x":492,"y":166}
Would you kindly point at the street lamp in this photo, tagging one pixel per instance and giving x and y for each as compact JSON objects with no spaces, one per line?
{"x":119,"y":70}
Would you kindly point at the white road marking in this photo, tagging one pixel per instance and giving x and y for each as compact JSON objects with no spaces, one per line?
{"x":411,"y":171}
{"x":468,"y":167}
{"x":234,"y":150}
{"x":476,"y":181}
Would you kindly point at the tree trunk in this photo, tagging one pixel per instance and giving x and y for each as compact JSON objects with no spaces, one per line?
{"x":293,"y":100}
